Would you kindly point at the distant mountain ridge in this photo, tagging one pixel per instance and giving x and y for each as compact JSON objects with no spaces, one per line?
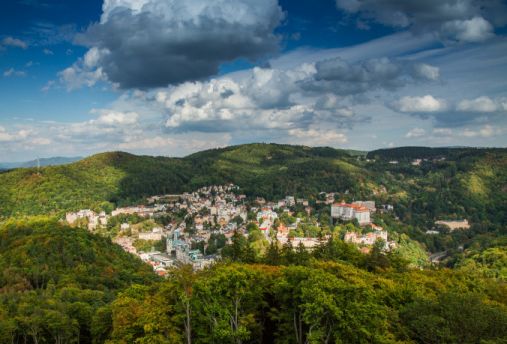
{"x":54,"y":161}
{"x":419,"y":152}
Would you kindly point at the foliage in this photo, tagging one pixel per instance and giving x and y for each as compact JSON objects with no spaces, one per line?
{"x":55,"y":279}
{"x":325,"y":302}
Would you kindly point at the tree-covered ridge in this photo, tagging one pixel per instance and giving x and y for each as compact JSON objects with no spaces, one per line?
{"x":464,"y":182}
{"x":66,"y":285}
{"x":323,"y":302}
{"x":109,"y":177}
{"x":272,"y":170}
{"x":39,"y":251}
{"x":118,"y":177}
{"x":55,"y":280}
{"x":415,"y":152}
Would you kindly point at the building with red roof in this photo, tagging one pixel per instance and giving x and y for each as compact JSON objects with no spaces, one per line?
{"x":347,"y":212}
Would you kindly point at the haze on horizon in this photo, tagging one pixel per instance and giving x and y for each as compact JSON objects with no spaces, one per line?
{"x":171,"y":78}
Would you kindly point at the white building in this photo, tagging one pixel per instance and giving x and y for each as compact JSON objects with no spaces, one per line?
{"x":308,"y":243}
{"x":93,"y":219}
{"x":366,"y":239}
{"x":85,"y":213}
{"x":348,"y":212}
{"x":290,"y":201}
{"x":155,"y":236}
{"x":453,"y":225}
{"x":367,"y":204}
{"x":266,"y":214}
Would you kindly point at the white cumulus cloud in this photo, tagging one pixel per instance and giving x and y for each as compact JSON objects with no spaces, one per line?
{"x":426,"y":103}
{"x":109,"y":117}
{"x":13,"y":42}
{"x":476,"y":29}
{"x":451,"y":20}
{"x":416,"y":132}
{"x":426,"y":71}
{"x":482,"y":104}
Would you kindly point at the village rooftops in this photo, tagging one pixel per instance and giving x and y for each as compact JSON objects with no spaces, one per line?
{"x":356,"y":207}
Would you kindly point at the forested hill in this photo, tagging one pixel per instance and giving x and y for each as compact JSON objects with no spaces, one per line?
{"x":414,"y":152}
{"x":469,"y":182}
{"x":57,"y":281}
{"x":120,"y":178}
{"x":66,"y":285}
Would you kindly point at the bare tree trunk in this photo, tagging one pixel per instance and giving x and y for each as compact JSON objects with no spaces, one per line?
{"x":328,"y":336}
{"x":188,"y":328}
{"x":296,"y":332}
{"x":236,"y":317}
{"x":298,"y":328}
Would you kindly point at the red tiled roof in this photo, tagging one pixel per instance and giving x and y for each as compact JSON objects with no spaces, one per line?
{"x":356,"y":207}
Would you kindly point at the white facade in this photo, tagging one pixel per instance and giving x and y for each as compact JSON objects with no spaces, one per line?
{"x":150,"y":236}
{"x":366,"y":239}
{"x":290,"y":201}
{"x":348,"y":212}
{"x":367,"y":204}
{"x":308,"y":243}
{"x":93,"y":219}
{"x":453,"y":225}
{"x":267,"y":214}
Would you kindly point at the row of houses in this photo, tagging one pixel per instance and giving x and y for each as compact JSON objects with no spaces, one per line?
{"x":370,"y":238}
{"x":93,"y":219}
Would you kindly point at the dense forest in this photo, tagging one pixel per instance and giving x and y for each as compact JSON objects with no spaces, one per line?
{"x":56,"y":282}
{"x":65,"y":285}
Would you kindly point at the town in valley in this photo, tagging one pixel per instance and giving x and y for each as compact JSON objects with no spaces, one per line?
{"x":192,"y":228}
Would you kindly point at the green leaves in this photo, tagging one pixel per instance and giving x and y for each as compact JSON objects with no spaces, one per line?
{"x":55,"y":279}
{"x":456,"y":318}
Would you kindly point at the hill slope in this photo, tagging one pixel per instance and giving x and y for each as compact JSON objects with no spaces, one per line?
{"x":272,"y":170}
{"x":65,"y":285}
{"x":269,"y":170}
{"x":467,"y":182}
{"x":113,"y":177}
{"x":415,"y":152}
{"x":56,"y":281}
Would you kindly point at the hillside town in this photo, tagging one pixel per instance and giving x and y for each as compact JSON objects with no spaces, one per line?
{"x":192,"y":228}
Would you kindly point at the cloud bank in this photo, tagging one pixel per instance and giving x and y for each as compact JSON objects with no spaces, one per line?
{"x":148,"y":43}
{"x":310,"y":97}
{"x":12,"y":42}
{"x":450,"y":20}
{"x":466,"y":111}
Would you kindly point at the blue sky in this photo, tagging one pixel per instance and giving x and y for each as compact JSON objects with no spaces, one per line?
{"x":171,"y":77}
